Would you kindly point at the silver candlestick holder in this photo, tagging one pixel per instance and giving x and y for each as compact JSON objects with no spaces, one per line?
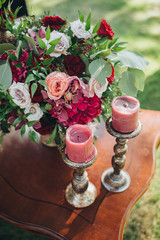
{"x":80,"y":192}
{"x":115,"y":179}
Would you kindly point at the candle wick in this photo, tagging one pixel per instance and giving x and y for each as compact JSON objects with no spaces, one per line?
{"x":125,"y":105}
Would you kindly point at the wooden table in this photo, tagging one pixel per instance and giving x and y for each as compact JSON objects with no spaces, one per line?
{"x":33,"y":179}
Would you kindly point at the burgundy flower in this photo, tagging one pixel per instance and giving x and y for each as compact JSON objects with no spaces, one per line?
{"x":53,"y":22}
{"x":46,"y":127}
{"x":18,"y":74}
{"x":111,"y":78}
{"x":105,"y":30}
{"x":74,"y":65}
{"x":81,"y":112}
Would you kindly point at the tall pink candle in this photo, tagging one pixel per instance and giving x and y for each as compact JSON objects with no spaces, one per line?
{"x":125,"y":111}
{"x":79,"y":143}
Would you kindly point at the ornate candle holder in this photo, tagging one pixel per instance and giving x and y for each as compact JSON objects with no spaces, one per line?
{"x":115,"y":179}
{"x":80,"y":192}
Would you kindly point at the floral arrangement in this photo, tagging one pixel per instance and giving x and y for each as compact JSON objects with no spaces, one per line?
{"x":55,"y":73}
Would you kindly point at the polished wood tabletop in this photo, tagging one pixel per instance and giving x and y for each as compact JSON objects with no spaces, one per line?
{"x":33,"y":179}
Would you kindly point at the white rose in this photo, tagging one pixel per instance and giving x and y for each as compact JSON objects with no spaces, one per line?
{"x":97,"y":88}
{"x":78,"y":29}
{"x":61,"y":47}
{"x":20,"y":94}
{"x":36,"y":112}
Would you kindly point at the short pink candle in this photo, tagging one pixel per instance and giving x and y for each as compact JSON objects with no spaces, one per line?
{"x":79,"y":143}
{"x":125,"y":111}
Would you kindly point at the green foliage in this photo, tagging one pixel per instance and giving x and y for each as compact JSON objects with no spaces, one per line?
{"x":6,"y":47}
{"x":6,"y":75}
{"x":99,"y":70}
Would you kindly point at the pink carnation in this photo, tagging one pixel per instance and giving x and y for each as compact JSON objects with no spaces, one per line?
{"x":18,"y":74}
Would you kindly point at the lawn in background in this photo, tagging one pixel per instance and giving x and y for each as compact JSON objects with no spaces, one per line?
{"x":136,"y":22}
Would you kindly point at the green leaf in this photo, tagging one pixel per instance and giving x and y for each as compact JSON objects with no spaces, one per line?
{"x":97,"y":26}
{"x":131,"y":59}
{"x":18,"y":65}
{"x":6,"y":47}
{"x":99,"y":70}
{"x":88,"y":22}
{"x":18,"y":120}
{"x":41,"y":42}
{"x":47,"y":61}
{"x":32,"y":44}
{"x":119,"y":44}
{"x":29,"y":60}
{"x":31,"y":123}
{"x":55,"y":42}
{"x":33,"y":88}
{"x":113,"y":42}
{"x":5,"y":75}
{"x":18,"y":51}
{"x":19,"y":26}
{"x":33,"y":136}
{"x":139,"y":78}
{"x":30,"y":78}
{"x":48,"y":33}
{"x":12,"y":56}
{"x":81,"y":16}
{"x":119,"y":70}
{"x":86,"y":62}
{"x":23,"y":130}
{"x":43,"y":83}
{"x":117,"y":49}
{"x":50,"y":50}
{"x":53,"y":135}
{"x":127,"y":84}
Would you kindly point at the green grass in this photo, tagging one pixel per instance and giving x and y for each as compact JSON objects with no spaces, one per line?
{"x":136,"y":22}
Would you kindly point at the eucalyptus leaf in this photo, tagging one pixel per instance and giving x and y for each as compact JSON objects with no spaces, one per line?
{"x":99,"y":70}
{"x":139,"y":78}
{"x":6,"y":47}
{"x":6,"y":75}
{"x":127,"y":84}
{"x":131,"y":59}
{"x":86,"y":62}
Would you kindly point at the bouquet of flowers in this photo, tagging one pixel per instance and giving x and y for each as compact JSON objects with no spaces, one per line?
{"x":55,"y":73}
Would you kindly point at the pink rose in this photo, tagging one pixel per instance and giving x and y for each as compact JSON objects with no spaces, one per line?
{"x":57,"y":83}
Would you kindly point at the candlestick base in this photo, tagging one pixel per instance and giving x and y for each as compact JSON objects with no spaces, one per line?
{"x":115,"y":179}
{"x":80,"y":192}
{"x":80,"y":200}
{"x":115,"y":183}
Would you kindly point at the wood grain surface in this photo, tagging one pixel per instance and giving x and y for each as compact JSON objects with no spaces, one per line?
{"x":33,"y":179}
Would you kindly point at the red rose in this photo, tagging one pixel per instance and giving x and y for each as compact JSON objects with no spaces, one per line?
{"x":105,"y":30}
{"x":54,"y":22}
{"x":74,"y":65}
{"x":111,"y":78}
